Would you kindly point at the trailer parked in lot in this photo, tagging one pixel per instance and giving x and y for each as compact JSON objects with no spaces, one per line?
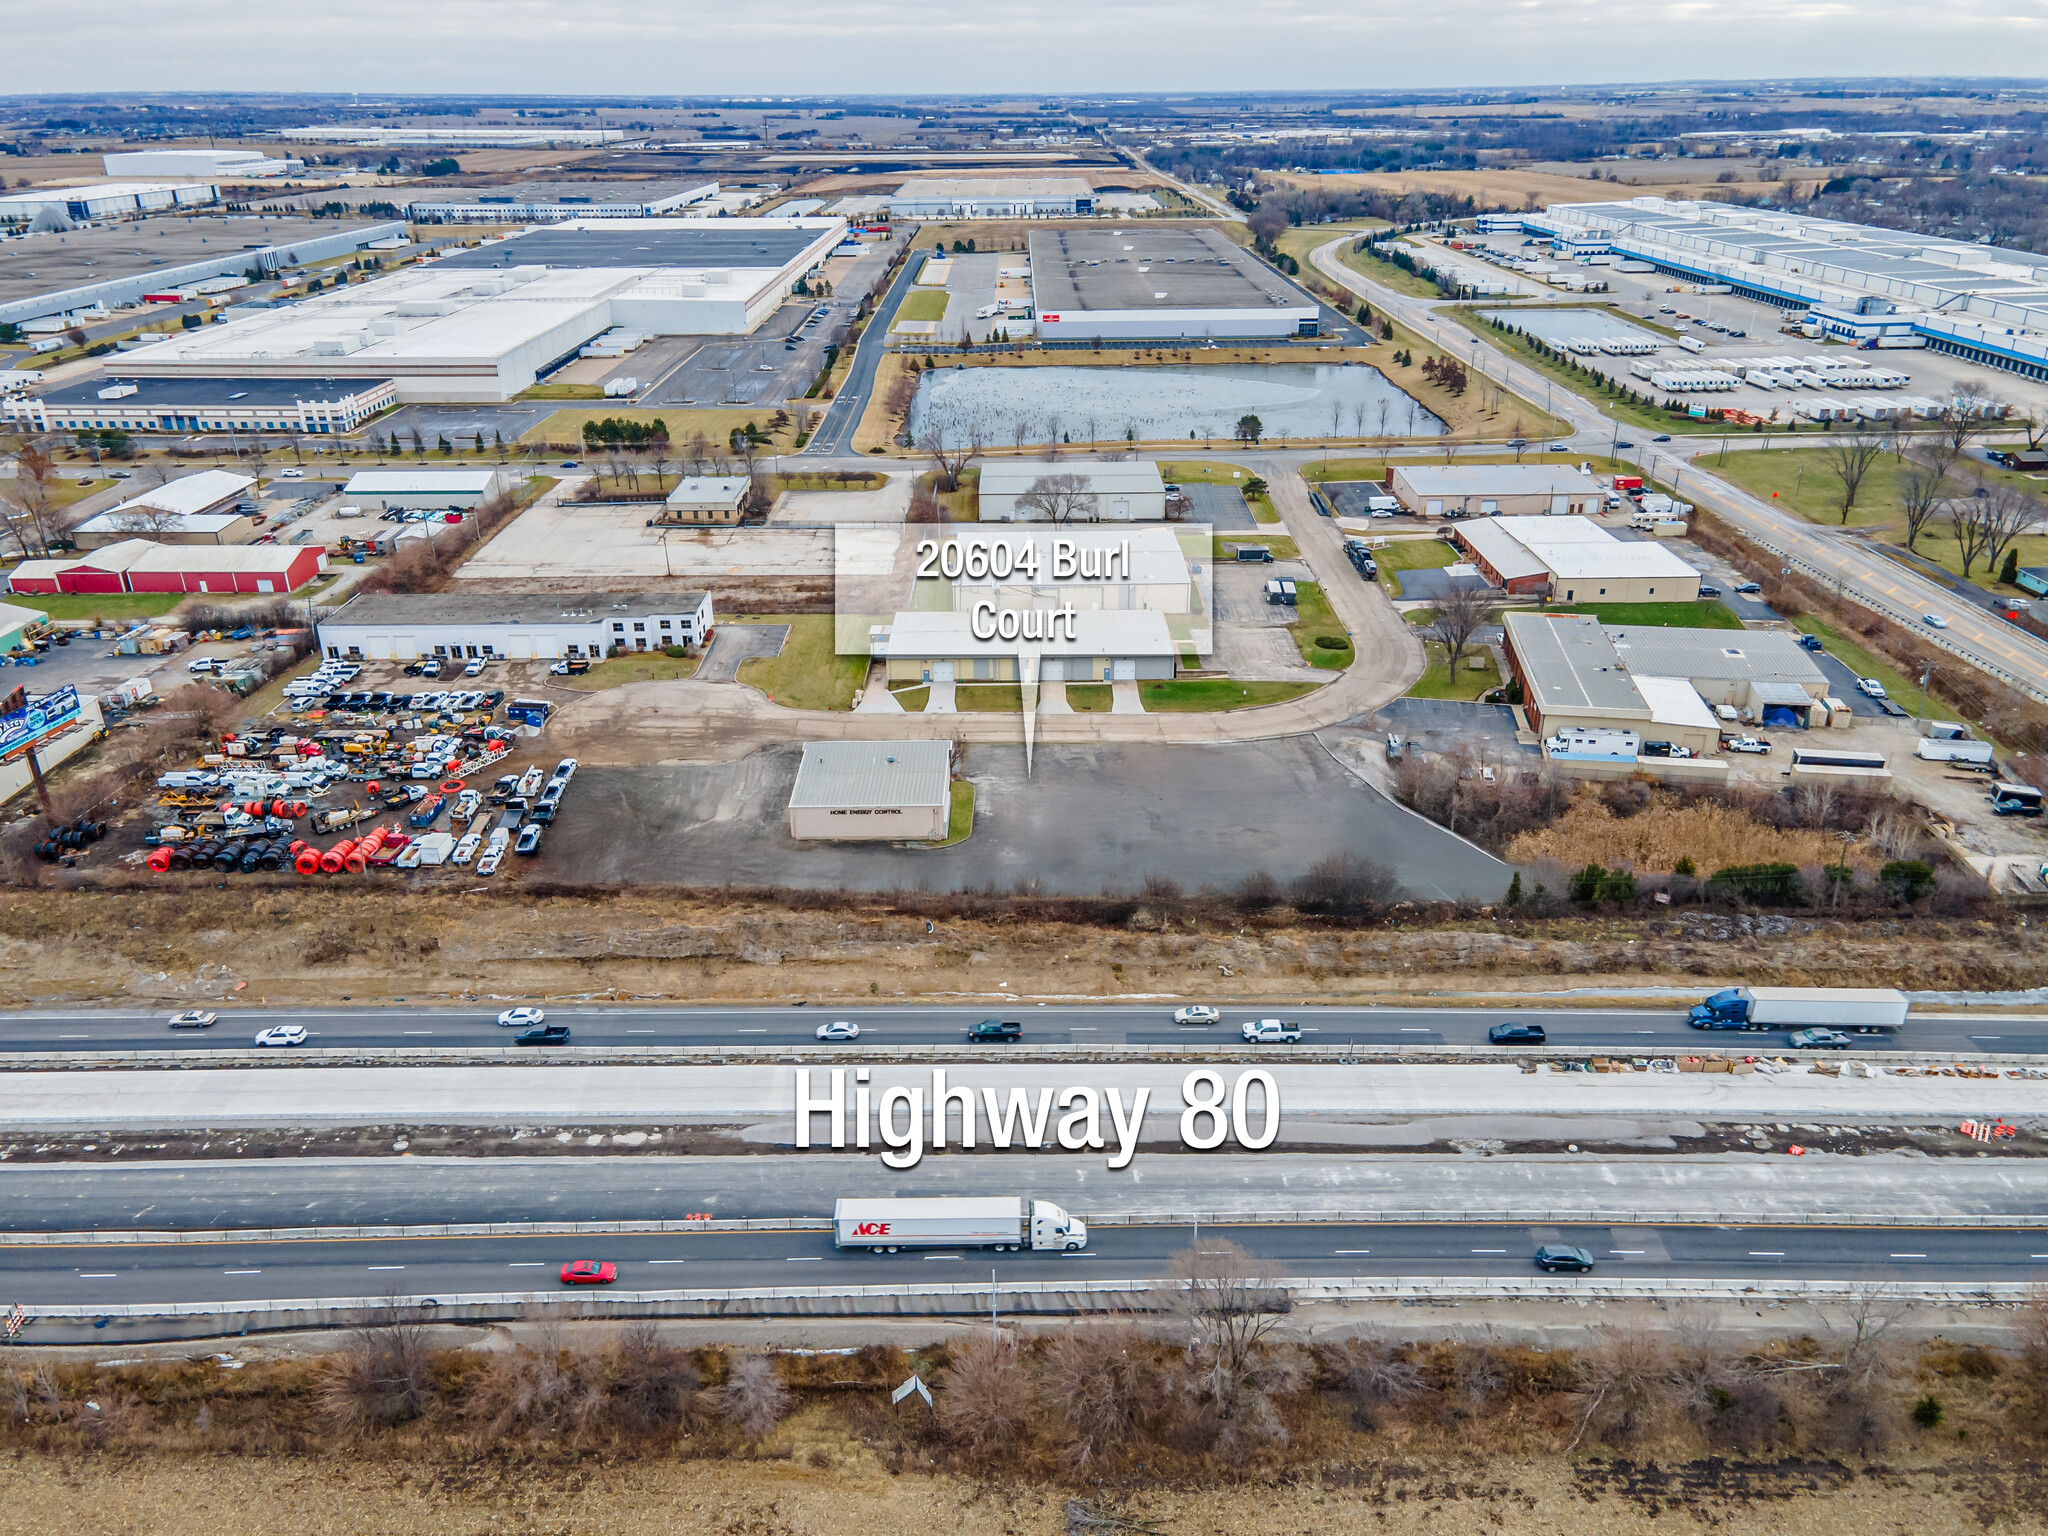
{"x":1007,"y":1223}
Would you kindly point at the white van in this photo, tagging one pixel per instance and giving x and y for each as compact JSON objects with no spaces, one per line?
{"x":1382,"y":506}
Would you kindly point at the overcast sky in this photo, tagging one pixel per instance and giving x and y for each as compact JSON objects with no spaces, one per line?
{"x":696,"y":47}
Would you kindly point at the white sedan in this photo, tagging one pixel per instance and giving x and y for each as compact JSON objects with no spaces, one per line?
{"x":1197,"y":1013}
{"x":521,"y":1018}
{"x":282,"y":1034}
{"x":839,"y":1029}
{"x":192,"y":1018}
{"x":1870,"y":687}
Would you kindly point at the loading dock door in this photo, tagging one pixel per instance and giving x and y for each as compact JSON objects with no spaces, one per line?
{"x":1125,"y":670}
{"x":519,"y":648}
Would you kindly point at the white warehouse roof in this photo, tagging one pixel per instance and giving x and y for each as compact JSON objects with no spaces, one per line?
{"x":1014,"y":478}
{"x":192,"y":493}
{"x":419,"y":482}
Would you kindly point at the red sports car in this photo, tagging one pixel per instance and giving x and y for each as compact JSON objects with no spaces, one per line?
{"x":589,"y":1272}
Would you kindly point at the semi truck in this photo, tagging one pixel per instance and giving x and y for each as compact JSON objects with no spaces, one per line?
{"x":1006,"y":1223}
{"x":1859,"y":1010}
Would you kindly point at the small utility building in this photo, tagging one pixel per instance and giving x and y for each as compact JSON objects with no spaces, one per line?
{"x":706,"y":499}
{"x":456,"y":490}
{"x":872,"y":791}
{"x":1114,"y":493}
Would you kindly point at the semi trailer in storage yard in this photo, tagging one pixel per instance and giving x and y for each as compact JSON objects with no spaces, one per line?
{"x":1007,"y":1223}
{"x":1859,"y":1010}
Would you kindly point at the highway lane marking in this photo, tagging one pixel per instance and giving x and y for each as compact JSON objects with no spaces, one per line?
{"x":1416,"y":1029}
{"x":419,"y":1031}
{"x":109,"y":1275}
{"x":74,"y":1037}
{"x":387,"y":1266}
{"x":811,"y":1258}
{"x":649,"y":1031}
{"x":668,"y":1261}
{"x":1909,"y":1255}
{"x":1352,"y":1252}
{"x":930,"y":1257}
{"x":528,"y":1264}
{"x":1489,"y":1250}
{"x":750,"y":1031}
{"x":1766,"y":1253}
{"x":1626,"y":1251}
{"x":241,"y":1271}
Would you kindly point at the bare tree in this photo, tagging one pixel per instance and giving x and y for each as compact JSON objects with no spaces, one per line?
{"x":1987,"y":520}
{"x":1922,"y":489}
{"x":1064,"y":498}
{"x":985,"y":1395}
{"x":1103,"y":1385}
{"x":1224,"y":1303}
{"x":1020,"y":428}
{"x":753,"y":1399}
{"x":384,"y":1375}
{"x":1972,"y":411}
{"x":1460,"y":614}
{"x":1336,"y":418}
{"x":1093,"y":428}
{"x":1849,"y":459}
{"x":1358,"y":410}
{"x":949,"y":460}
{"x":1380,"y":409}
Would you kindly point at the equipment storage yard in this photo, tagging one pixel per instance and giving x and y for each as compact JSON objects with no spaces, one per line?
{"x":580,"y":544}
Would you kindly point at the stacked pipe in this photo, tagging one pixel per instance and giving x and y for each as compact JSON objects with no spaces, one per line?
{"x":68,"y":837}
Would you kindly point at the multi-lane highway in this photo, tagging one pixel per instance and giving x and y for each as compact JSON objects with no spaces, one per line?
{"x":896,"y":1029}
{"x":228,"y":1272}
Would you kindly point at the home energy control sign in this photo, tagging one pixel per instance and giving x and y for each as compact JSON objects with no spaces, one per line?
{"x":1034,"y":606}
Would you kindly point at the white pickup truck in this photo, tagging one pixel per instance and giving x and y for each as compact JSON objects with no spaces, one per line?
{"x":1271,"y":1032}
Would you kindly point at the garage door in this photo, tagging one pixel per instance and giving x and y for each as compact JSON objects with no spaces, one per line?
{"x":1126,"y":671}
{"x":519,"y":648}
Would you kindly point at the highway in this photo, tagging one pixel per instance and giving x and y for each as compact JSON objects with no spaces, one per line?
{"x":896,"y":1029}
{"x":130,"y":1275}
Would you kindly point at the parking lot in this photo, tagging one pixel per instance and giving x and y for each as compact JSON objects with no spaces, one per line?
{"x":1254,"y":639}
{"x":1085,"y":819}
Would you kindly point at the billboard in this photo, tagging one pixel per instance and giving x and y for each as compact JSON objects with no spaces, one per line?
{"x":35,"y":720}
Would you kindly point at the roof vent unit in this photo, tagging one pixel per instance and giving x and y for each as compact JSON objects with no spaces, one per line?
{"x":341,"y":345}
{"x":386,"y":327}
{"x":117,"y":392}
{"x":720,"y":277}
{"x":423,"y":309}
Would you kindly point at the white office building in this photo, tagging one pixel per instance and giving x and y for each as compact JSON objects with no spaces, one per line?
{"x":387,"y":626}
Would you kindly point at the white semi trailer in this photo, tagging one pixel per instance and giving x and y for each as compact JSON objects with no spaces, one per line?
{"x":1007,"y":1223}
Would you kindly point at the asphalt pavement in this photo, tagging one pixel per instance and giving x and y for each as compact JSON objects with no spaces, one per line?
{"x":895,"y":1029}
{"x":129,"y":1275}
{"x":835,"y":432}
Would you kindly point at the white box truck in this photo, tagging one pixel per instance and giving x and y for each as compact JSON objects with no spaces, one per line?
{"x":1860,"y":1010}
{"x":1006,"y":1223}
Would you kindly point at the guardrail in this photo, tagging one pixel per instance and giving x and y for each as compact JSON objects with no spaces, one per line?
{"x":1387,"y":1217}
{"x":202,"y":1319}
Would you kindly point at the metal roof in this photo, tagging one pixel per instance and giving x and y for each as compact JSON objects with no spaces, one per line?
{"x":244,"y":394}
{"x":1151,"y":267}
{"x":628,"y":243}
{"x":419,"y":482}
{"x":1498,"y":480}
{"x":1014,"y":479}
{"x":187,"y":495}
{"x":872,"y":775}
{"x":374,"y":608}
{"x":1750,"y":655}
{"x":1568,"y":662}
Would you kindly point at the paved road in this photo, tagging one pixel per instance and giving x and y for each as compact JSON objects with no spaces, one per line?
{"x":1980,"y":638}
{"x":894,"y":1029}
{"x":345,"y":1194}
{"x":835,"y":432}
{"x":235,"y":1271}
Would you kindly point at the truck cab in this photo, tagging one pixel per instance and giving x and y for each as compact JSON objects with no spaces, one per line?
{"x":1727,"y":1009}
{"x":1052,"y":1229}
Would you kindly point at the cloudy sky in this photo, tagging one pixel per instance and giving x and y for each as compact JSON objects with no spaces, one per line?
{"x":697,"y":47}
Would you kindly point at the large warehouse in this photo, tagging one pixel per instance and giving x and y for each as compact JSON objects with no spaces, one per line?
{"x":141,"y":565}
{"x":227,"y":164}
{"x":1039,"y":197}
{"x":548,"y":203}
{"x":1156,"y":282}
{"x":1107,"y":646}
{"x":1574,"y":560}
{"x":108,"y":200}
{"x":1131,"y":491}
{"x":385,"y":626}
{"x":872,"y":791}
{"x":482,"y":324}
{"x":134,"y":403}
{"x":1494,"y":490}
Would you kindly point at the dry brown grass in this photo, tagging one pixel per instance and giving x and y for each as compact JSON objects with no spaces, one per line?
{"x":1511,"y":188}
{"x":1708,"y":832}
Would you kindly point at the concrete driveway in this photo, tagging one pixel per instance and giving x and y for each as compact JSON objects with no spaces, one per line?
{"x":890,"y":504}
{"x":735,"y":643}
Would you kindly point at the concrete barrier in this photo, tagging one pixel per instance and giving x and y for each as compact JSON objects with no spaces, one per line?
{"x":145,"y":1323}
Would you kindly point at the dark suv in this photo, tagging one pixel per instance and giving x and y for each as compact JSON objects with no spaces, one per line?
{"x":996,"y":1029}
{"x":543,"y":1034}
{"x":1553,"y":1257}
{"x":1517,"y":1034}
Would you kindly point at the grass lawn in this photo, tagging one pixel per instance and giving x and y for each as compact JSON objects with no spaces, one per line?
{"x":1800,"y":479}
{"x":1281,"y":544}
{"x":1704,"y":614}
{"x":923,"y":304}
{"x":562,"y":392}
{"x":1437,"y":681}
{"x":1202,"y":472}
{"x":1400,"y":555}
{"x":1315,"y":619}
{"x":913,"y":700}
{"x":1262,"y":508}
{"x":1205,"y":695}
{"x":683,"y":423}
{"x":988,"y":698}
{"x":652,"y":667}
{"x":66,"y":606}
{"x":826,"y":480}
{"x":960,"y":814}
{"x":1089,"y":698}
{"x":1301,"y":241}
{"x":1386,"y":274}
{"x":809,"y":674}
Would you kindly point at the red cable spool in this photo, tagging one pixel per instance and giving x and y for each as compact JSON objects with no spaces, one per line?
{"x":296,"y":809}
{"x":330,"y":861}
{"x":159,"y":860}
{"x":373,"y":787}
{"x":356,"y":862}
{"x":494,"y":746}
{"x":452,"y":786}
{"x":277,"y":807}
{"x":253,"y":807}
{"x":305,"y":859}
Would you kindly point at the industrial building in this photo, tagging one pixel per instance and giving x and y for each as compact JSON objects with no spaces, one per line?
{"x":205,"y":508}
{"x":450,"y":489}
{"x":1038,"y":197}
{"x":1580,"y":676}
{"x":1159,"y":282}
{"x":872,"y":791}
{"x":1105,"y":568}
{"x":385,"y":626}
{"x":1124,"y":492}
{"x":227,"y":164}
{"x":108,"y":200}
{"x":460,"y":138}
{"x":706,"y":499}
{"x":1108,"y":646}
{"x":1574,"y":560}
{"x":71,"y":273}
{"x":15,"y":623}
{"x":141,"y":565}
{"x":1986,"y":304}
{"x":1495,"y":490}
{"x":483,"y":324}
{"x":546,"y":204}
{"x":139,"y":404}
